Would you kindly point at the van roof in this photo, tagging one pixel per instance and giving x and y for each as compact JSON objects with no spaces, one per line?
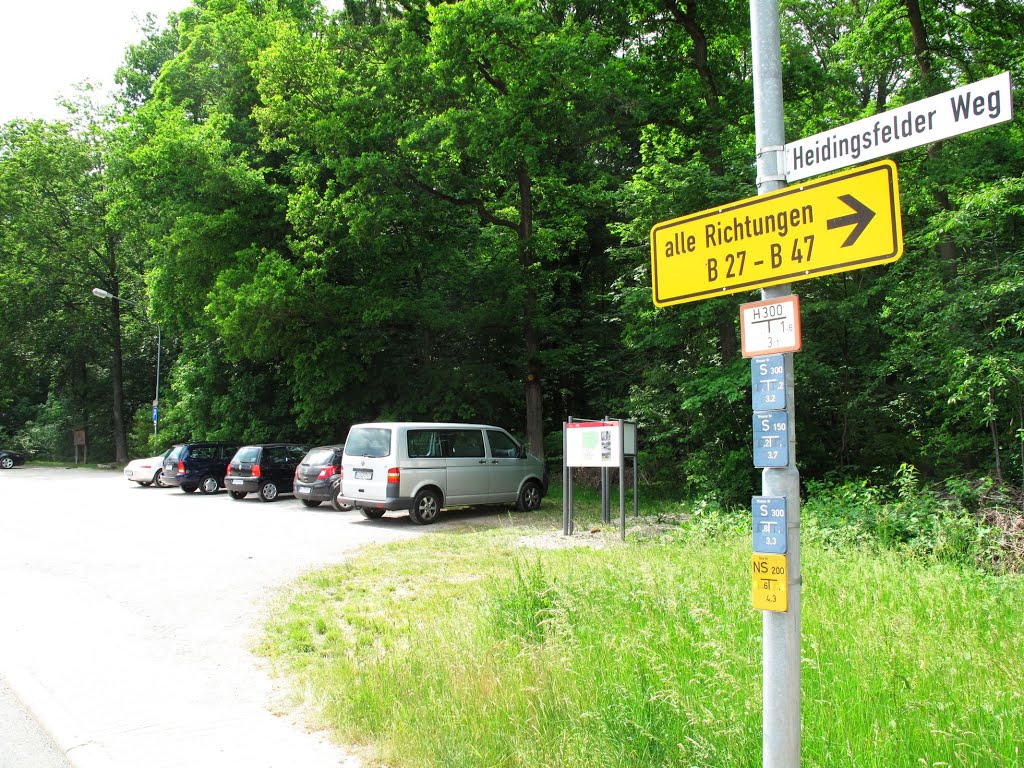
{"x":425,"y":425}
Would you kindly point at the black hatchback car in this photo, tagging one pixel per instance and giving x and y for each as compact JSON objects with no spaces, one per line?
{"x":198,"y":465}
{"x":10,"y":459}
{"x":318,"y":475}
{"x":267,"y":470}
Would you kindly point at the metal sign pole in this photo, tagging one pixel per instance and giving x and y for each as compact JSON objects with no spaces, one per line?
{"x":636,"y":491}
{"x":622,"y":478}
{"x":780,"y":630}
{"x":568,"y":513}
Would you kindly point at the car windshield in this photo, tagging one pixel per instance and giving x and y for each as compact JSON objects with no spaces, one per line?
{"x":250,"y":453}
{"x":371,"y":442}
{"x":319,"y":457}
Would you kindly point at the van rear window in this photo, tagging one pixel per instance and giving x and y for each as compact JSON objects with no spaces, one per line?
{"x":371,"y":442}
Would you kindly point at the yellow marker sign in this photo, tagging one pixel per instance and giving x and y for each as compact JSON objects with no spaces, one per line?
{"x":771,"y":593}
{"x":834,"y":224}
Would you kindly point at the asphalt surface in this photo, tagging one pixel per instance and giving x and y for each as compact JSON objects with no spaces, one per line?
{"x":129,"y":615}
{"x":23,"y":742}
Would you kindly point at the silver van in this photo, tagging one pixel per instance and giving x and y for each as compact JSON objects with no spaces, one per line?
{"x":423,"y":467}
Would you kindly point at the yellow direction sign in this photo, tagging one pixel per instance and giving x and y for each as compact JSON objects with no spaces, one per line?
{"x":770,"y":588}
{"x":833,"y":224}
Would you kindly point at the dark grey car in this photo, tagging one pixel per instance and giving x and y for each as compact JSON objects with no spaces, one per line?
{"x":318,"y":476}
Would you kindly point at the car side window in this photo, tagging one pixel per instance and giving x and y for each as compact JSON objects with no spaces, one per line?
{"x":502,"y":446}
{"x":423,"y":444}
{"x":203,"y":452}
{"x":466,"y":443}
{"x":273,"y":455}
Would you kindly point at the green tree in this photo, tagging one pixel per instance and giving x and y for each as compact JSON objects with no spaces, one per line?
{"x":57,"y":245}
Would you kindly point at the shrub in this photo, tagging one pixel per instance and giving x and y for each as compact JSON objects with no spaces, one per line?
{"x":902,"y":514}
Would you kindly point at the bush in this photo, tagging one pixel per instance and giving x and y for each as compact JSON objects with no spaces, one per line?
{"x":902,"y":514}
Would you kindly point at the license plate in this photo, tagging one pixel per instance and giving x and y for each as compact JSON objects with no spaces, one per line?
{"x":237,"y":482}
{"x":363,"y":474}
{"x":305,"y":490}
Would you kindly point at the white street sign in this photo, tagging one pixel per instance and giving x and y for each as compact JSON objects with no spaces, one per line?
{"x":770,"y":326}
{"x":968,"y":108}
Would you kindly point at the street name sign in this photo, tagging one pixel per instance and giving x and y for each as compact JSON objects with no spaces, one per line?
{"x":835,"y":224}
{"x":770,"y":588}
{"x":961,"y":110}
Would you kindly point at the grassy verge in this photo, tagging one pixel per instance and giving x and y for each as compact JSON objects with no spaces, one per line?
{"x":503,"y":647}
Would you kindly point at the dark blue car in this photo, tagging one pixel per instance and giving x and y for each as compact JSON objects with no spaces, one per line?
{"x":198,"y":465}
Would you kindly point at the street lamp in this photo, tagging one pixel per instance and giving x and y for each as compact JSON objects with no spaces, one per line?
{"x":101,"y":294}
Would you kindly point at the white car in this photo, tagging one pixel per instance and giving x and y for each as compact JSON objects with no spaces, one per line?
{"x":422,"y":467}
{"x":146,"y":471}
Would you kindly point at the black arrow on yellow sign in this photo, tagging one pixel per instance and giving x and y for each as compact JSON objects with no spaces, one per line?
{"x":860,"y":218}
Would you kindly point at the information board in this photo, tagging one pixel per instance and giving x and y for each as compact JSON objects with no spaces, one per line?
{"x":593,"y":444}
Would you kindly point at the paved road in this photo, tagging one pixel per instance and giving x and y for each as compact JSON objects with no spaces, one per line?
{"x":23,"y":742}
{"x":127,"y":615}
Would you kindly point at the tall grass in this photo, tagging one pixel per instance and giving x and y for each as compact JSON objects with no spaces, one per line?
{"x":484,"y":649}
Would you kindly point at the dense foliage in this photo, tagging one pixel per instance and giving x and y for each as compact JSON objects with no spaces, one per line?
{"x":441,"y":210}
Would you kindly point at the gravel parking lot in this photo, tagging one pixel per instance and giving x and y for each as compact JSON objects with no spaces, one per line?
{"x":129,"y":614}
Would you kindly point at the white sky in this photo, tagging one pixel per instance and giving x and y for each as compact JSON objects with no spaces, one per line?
{"x":46,"y":46}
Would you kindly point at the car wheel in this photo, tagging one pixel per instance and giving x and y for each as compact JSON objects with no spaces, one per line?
{"x":425,"y":507}
{"x":311,"y":502}
{"x":189,"y":488}
{"x":209,"y":484}
{"x":338,"y":506}
{"x":371,"y":514}
{"x":529,"y":496}
{"x":7,"y":462}
{"x":237,"y":494}
{"x":156,"y":480}
{"x":268,"y":491}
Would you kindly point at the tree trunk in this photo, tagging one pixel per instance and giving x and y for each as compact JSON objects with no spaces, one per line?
{"x":918,"y":33}
{"x":995,"y":435}
{"x":727,"y":343}
{"x":534,"y":392}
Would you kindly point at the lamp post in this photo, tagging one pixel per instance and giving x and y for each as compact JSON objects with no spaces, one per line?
{"x":102,"y":294}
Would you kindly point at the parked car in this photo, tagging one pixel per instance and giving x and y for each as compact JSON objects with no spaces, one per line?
{"x":318,"y":475}
{"x":10,"y":459}
{"x":423,"y":467}
{"x":198,"y":465}
{"x":147,"y":471}
{"x":267,"y":470}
